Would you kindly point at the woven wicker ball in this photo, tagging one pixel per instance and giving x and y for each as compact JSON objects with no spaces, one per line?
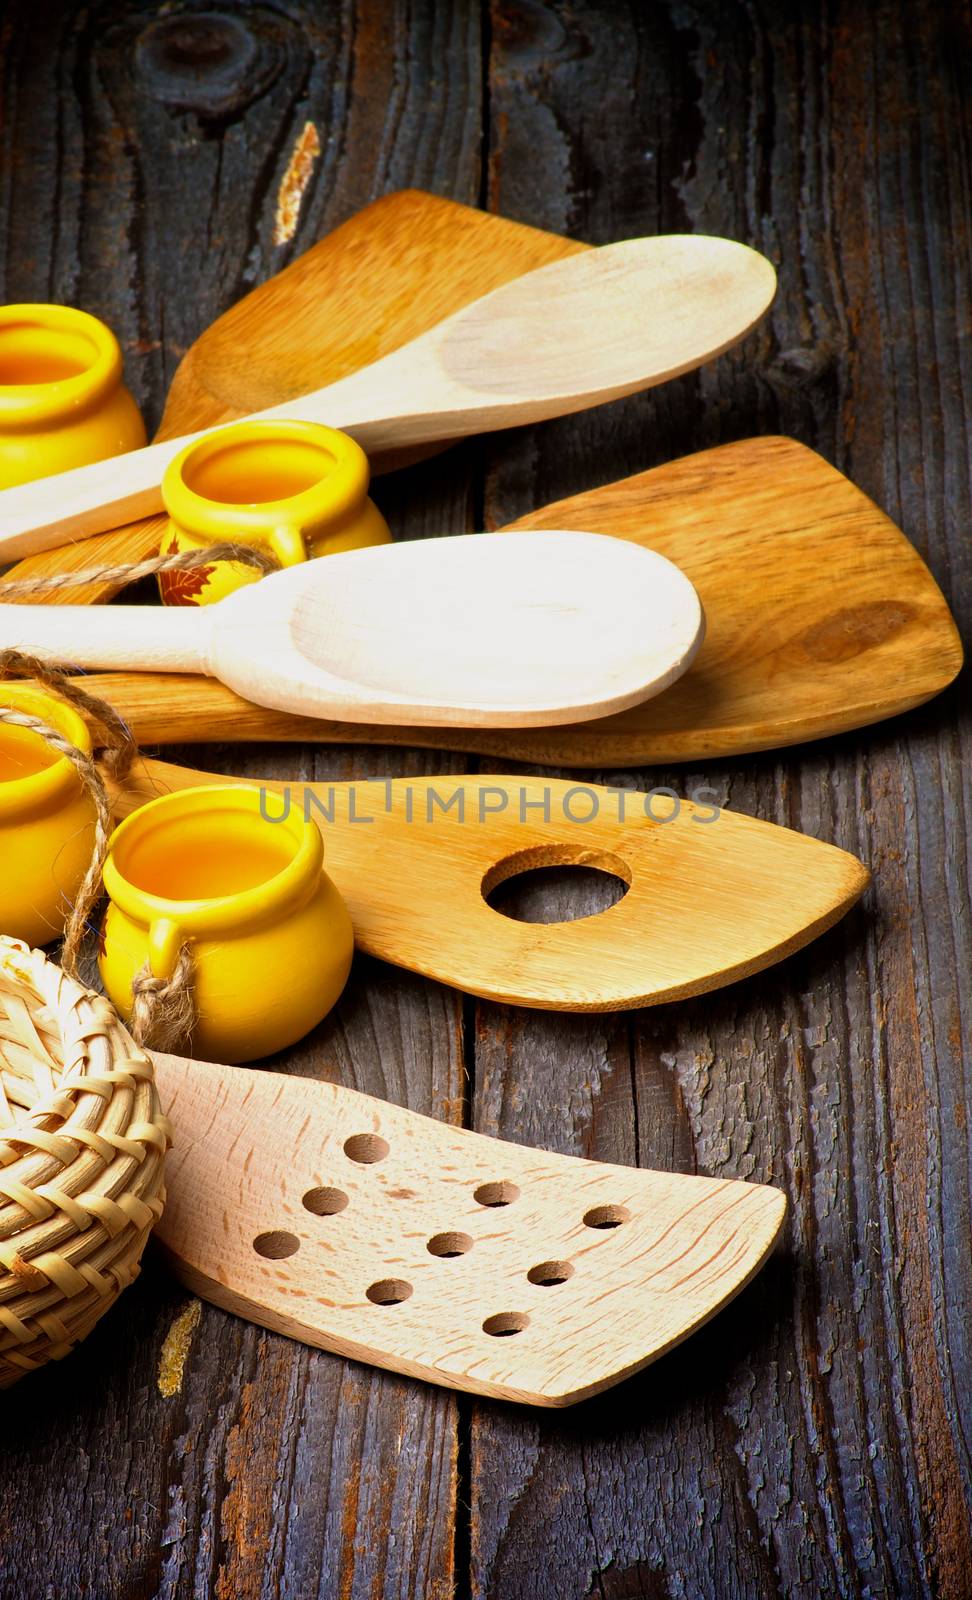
{"x":82,"y":1151}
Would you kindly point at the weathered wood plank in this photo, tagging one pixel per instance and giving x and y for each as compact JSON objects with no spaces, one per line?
{"x":815,"y":1439}
{"x":271,"y":1469}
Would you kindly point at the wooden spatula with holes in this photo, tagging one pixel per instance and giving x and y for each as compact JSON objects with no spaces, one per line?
{"x":382,"y":1235}
{"x":712,"y":896}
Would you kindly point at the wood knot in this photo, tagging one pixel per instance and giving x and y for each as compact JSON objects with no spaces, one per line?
{"x":205,"y":63}
{"x":853,"y":630}
{"x":804,"y":365}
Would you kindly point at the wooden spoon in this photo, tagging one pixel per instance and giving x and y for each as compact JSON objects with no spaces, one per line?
{"x":497,"y":632}
{"x":711,"y":896}
{"x":382,"y":1235}
{"x":569,"y":335}
{"x":389,"y":273}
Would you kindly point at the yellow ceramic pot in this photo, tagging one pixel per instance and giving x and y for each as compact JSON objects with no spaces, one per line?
{"x":46,"y":819}
{"x":62,"y":400}
{"x":269,"y":935}
{"x":295,"y":489}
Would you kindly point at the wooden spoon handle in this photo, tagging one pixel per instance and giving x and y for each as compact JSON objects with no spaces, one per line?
{"x":568,"y":335}
{"x":158,"y":638}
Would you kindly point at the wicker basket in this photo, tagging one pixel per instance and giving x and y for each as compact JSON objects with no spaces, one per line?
{"x":82,"y":1150}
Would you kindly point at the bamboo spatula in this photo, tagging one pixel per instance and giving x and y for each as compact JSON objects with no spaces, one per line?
{"x":379,"y":1234}
{"x":711,"y":897}
{"x":503,"y":632}
{"x":569,"y":335}
{"x":820,"y":616}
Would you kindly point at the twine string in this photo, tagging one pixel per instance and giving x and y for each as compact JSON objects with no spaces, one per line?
{"x":132,"y":571}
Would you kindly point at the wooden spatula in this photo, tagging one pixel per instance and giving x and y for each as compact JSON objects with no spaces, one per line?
{"x":379,"y":1234}
{"x":820,"y":616}
{"x":711,"y":897}
{"x":509,"y":633}
{"x":566,"y":336}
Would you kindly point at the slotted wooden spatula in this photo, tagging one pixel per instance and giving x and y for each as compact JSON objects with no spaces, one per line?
{"x":379,"y":1234}
{"x":711,"y":897}
{"x":510,"y":633}
{"x":569,"y":335}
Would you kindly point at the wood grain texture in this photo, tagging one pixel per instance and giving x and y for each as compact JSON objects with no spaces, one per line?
{"x":273,"y":1469}
{"x":829,"y":1452}
{"x":824,"y":1449}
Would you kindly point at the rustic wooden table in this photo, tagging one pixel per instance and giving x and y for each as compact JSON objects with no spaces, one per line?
{"x":815,"y":1440}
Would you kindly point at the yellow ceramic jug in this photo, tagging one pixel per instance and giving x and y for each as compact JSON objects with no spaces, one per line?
{"x":46,"y":819}
{"x":62,"y":400}
{"x":295,"y":489}
{"x":270,"y":937}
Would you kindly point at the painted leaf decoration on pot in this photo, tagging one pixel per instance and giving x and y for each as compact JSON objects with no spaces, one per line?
{"x":184,"y":588}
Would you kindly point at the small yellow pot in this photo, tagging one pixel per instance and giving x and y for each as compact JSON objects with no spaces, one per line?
{"x":294,"y":489}
{"x":270,"y":936}
{"x":46,"y":819}
{"x":62,"y":400}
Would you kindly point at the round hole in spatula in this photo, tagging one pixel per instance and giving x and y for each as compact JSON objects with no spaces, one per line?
{"x":606,"y":1216}
{"x":505,"y":1324}
{"x":366,"y":1148}
{"x":389,"y":1292}
{"x":446,"y":1245}
{"x":496,"y":1194}
{"x":325,"y":1202}
{"x":548,"y":1274}
{"x":277,"y":1245}
{"x":556,"y":883}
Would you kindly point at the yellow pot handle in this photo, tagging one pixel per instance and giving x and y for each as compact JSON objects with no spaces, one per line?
{"x":165,"y":940}
{"x":288,"y":546}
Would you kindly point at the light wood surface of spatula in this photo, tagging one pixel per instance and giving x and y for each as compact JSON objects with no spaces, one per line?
{"x":711,"y":897}
{"x":568,"y":335}
{"x":502,"y":632}
{"x":375,"y":1233}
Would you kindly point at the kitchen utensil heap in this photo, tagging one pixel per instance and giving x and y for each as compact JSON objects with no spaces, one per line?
{"x":569,"y":335}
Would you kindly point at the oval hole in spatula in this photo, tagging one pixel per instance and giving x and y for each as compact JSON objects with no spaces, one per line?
{"x":556,"y":883}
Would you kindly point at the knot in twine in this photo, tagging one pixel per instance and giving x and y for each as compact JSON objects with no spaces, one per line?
{"x":163,"y":1009}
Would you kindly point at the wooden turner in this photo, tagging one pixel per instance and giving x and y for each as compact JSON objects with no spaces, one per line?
{"x":708,"y":901}
{"x":820,"y":616}
{"x":382,"y":1235}
{"x":508,"y":633}
{"x":566,"y":336}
